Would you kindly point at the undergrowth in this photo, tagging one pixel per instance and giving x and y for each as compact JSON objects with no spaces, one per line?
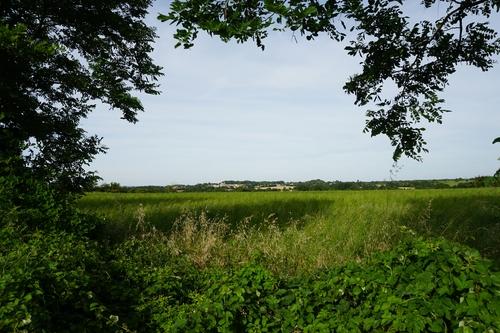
{"x":419,"y":286}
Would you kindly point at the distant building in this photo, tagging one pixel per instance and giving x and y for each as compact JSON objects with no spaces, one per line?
{"x":275,"y":187}
{"x":226,"y":186}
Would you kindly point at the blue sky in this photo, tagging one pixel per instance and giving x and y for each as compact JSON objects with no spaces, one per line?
{"x":232,"y":111}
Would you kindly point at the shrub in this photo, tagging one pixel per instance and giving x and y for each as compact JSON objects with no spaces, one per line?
{"x":419,"y":286}
{"x":51,"y":270}
{"x":34,"y":205}
{"x":147,"y":279}
{"x":47,"y":283}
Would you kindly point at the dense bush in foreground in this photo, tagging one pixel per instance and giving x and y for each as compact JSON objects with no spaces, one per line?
{"x":48,"y":283}
{"x":52,"y":283}
{"x":51,"y":268}
{"x":420,"y":286}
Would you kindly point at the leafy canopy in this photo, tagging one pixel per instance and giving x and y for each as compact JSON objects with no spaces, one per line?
{"x":59,"y":57}
{"x":416,"y":55}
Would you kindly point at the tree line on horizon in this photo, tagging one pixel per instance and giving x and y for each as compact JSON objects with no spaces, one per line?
{"x":310,"y":185}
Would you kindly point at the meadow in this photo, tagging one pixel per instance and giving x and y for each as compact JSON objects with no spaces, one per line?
{"x":300,"y":232}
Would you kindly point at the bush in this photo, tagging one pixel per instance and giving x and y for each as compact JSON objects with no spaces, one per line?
{"x":420,"y":286}
{"x":48,"y":283}
{"x":51,"y":269}
{"x":34,"y":205}
{"x":147,"y":279}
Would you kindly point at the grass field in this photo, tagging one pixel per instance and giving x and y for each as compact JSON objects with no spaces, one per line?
{"x":295,"y":232}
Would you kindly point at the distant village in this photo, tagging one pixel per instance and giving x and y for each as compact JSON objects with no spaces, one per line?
{"x":265,"y":187}
{"x":228,"y":186}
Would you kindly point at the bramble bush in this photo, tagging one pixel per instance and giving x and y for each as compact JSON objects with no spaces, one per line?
{"x":48,"y":282}
{"x":421,"y":286}
{"x":51,"y":266}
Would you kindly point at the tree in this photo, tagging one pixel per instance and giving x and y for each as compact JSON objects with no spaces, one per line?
{"x":497,"y":174}
{"x":416,"y":55}
{"x":60,"y":57}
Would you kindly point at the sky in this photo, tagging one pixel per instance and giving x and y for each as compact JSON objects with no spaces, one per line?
{"x":234,"y":112}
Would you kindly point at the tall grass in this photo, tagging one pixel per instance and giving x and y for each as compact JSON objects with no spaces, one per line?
{"x":299,"y":232}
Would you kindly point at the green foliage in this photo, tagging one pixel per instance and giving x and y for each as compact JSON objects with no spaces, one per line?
{"x":48,"y":282}
{"x":148,"y":279}
{"x":497,"y":174}
{"x":58,"y":274}
{"x":419,"y":286}
{"x":50,"y":267}
{"x":59,"y":58}
{"x":33,"y":204}
{"x":397,"y":48}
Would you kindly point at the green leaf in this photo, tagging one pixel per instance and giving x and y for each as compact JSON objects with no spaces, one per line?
{"x":309,"y":11}
{"x":437,"y":326}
